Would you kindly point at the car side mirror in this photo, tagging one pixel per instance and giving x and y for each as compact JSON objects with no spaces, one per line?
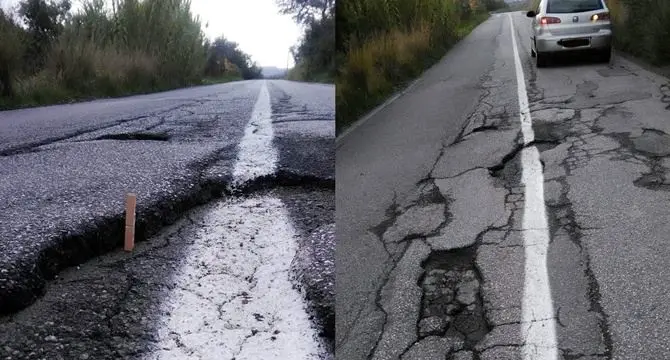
{"x":531,"y":14}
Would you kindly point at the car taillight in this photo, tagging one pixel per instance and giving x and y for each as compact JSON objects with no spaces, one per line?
{"x":601,"y":17}
{"x":549,"y":20}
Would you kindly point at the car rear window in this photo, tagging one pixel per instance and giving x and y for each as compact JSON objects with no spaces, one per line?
{"x":573,"y":6}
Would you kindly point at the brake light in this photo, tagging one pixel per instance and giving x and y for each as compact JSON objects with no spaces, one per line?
{"x":549,"y":20}
{"x":601,"y":17}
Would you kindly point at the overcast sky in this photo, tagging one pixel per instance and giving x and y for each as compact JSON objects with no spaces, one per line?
{"x":254,"y":24}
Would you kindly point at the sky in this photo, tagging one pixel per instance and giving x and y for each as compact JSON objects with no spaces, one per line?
{"x":255,"y":25}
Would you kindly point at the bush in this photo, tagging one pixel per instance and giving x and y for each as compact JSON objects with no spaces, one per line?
{"x":128,"y":47}
{"x":225,"y":59}
{"x":315,"y":57}
{"x":642,"y":28}
{"x":11,"y":52}
{"x":383,"y":43}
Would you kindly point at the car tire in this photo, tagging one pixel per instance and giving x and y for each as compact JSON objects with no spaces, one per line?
{"x":541,"y":60}
{"x":532,"y":49}
{"x":606,"y":55}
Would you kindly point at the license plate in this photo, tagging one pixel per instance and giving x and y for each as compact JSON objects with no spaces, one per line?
{"x":574,"y":42}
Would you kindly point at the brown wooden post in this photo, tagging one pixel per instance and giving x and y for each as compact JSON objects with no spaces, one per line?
{"x":131,"y":201}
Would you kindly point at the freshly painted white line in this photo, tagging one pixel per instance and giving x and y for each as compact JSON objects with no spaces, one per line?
{"x":232,"y":297}
{"x":537,"y":310}
{"x":257,"y":156}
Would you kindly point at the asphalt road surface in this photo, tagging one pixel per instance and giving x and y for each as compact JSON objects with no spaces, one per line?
{"x":500,"y":211}
{"x":233,"y":278}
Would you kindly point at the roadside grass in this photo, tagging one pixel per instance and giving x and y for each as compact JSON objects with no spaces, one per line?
{"x":38,"y":90}
{"x":299,"y":73}
{"x":110,"y":49}
{"x":385,"y":63}
{"x":642,"y":29}
{"x":220,"y":80}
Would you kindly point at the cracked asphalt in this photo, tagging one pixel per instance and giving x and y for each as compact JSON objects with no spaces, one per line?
{"x":64,"y":173}
{"x":430,"y":254}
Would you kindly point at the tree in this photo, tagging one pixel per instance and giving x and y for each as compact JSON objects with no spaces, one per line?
{"x":11,"y":52}
{"x":306,"y":11}
{"x":316,"y":52}
{"x":44,"y":21}
{"x":222,"y":50}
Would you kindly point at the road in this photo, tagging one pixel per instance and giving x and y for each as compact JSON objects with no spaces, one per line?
{"x":500,"y":211}
{"x":235,"y":188}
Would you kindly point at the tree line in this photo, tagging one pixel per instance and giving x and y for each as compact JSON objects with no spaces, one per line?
{"x":381,"y":44}
{"x":314,"y":56}
{"x":49,"y":53}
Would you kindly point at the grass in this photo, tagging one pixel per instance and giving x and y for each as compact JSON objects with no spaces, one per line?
{"x":221,"y":79}
{"x":130,"y":47}
{"x":39,"y":91}
{"x":384,"y":63}
{"x":642,"y":29}
{"x":298,"y":73}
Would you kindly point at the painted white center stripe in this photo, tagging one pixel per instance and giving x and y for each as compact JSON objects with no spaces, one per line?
{"x":257,"y":157}
{"x":539,"y":324}
{"x":232,"y":296}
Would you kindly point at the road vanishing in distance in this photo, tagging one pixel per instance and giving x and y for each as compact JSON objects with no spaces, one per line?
{"x":500,"y":211}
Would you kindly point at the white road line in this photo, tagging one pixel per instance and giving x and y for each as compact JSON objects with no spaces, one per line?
{"x":232,"y":296}
{"x":257,"y":156}
{"x":526,"y":122}
{"x":539,"y":323}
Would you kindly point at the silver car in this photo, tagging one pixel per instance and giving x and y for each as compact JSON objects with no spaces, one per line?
{"x":570,"y":25}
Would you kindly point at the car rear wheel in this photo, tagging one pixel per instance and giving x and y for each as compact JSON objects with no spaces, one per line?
{"x":541,"y":60}
{"x":532,"y":49}
{"x":605,"y":55}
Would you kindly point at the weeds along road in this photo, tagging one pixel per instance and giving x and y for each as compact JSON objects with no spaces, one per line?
{"x":235,"y":188}
{"x":500,"y":211}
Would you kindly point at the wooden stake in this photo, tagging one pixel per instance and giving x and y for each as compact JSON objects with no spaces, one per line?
{"x":131,"y":201}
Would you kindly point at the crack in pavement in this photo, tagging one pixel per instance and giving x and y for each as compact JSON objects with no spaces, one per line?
{"x":123,"y":327}
{"x":32,"y":146}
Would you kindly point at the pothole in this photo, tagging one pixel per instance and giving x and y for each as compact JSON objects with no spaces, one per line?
{"x":452,"y":305}
{"x":551,"y":131}
{"x":653,"y":142}
{"x":509,"y":168}
{"x":544,"y":145}
{"x":136,"y":136}
{"x":656,"y":179}
{"x":653,"y":181}
{"x":485,"y":128}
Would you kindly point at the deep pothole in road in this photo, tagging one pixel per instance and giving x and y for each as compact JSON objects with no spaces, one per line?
{"x":452,"y":305}
{"x":550,"y":132}
{"x":136,"y":136}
